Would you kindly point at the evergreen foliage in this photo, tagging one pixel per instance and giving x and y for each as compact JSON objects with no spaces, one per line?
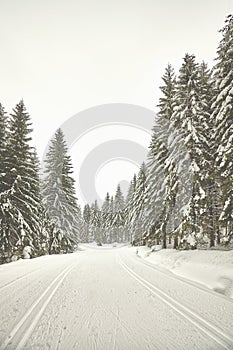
{"x":58,"y":193}
{"x":20,"y":193}
{"x":183,"y":195}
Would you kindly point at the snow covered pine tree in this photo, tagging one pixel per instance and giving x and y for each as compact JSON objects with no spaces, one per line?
{"x":59,"y":199}
{"x":20,"y":195}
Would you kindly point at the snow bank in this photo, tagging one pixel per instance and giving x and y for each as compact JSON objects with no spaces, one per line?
{"x":214,"y":269}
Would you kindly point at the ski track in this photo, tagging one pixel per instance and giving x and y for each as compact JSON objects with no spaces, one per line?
{"x":103,"y":302}
{"x":28,"y":327}
{"x":209,"y":304}
{"x":9,"y":284}
{"x":209,"y":329}
{"x":182,"y":279}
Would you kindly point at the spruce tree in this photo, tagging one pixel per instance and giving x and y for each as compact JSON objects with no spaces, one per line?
{"x":96,"y":232}
{"x":22,"y":202}
{"x":86,"y":224}
{"x":138,"y":204}
{"x":58,"y":192}
{"x":109,"y":221}
{"x":105,"y":212}
{"x":208,"y":201}
{"x":129,"y":207}
{"x":222,"y":118}
{"x":160,"y":179}
{"x":3,"y":147}
{"x":187,"y":119}
{"x":4,"y":202}
{"x":118,"y":219}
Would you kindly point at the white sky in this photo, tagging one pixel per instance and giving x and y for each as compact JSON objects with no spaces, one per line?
{"x":65,"y":56}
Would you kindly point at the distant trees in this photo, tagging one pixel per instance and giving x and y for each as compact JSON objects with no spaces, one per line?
{"x":107,"y":224}
{"x":86,"y":220}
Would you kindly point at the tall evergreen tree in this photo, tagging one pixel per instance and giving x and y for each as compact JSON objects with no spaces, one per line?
{"x":105,"y":213}
{"x":96,"y":232}
{"x":21,"y":214}
{"x":118,"y":218}
{"x":160,"y":179}
{"x":128,"y":208}
{"x":109,"y":221}
{"x":4,"y":246}
{"x":222,"y":118}
{"x":58,"y":193}
{"x":208,"y":201}
{"x":187,"y":118}
{"x":3,"y":147}
{"x":86,"y":223}
{"x":138,"y":204}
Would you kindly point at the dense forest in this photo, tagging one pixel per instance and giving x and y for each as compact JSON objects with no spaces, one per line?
{"x":182,"y":195}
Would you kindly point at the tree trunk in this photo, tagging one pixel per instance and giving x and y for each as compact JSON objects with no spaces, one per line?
{"x":164,"y":236}
{"x":175,"y":243}
{"x":212,"y":233}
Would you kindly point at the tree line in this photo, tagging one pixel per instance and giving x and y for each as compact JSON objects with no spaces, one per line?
{"x":183,"y":194}
{"x":38,"y":214}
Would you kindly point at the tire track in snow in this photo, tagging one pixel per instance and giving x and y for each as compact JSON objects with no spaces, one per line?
{"x":215,"y":333}
{"x":22,"y":324}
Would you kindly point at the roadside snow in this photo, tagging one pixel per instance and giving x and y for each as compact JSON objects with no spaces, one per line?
{"x":214,"y":269}
{"x":95,"y":246}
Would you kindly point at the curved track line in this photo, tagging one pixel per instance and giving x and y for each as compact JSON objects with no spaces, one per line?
{"x":205,"y":326}
{"x":14,"y":331}
{"x":172,"y":275}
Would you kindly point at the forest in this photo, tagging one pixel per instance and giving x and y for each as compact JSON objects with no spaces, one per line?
{"x":182,"y":195}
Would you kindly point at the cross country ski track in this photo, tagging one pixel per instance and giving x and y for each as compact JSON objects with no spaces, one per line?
{"x":107,"y":299}
{"x":225,"y":340}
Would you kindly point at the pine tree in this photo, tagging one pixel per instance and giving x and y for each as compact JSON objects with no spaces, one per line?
{"x":166,"y":101}
{"x":109,"y":221}
{"x":118,"y":218}
{"x":187,"y":117}
{"x":222,"y":118}
{"x":20,"y":216}
{"x":208,"y":200}
{"x":86,"y":224}
{"x":58,"y":193}
{"x":138,"y":204}
{"x":128,"y":208}
{"x":161,"y":179}
{"x":4,"y":246}
{"x":96,"y":232}
{"x":3,"y":147}
{"x":105,"y":212}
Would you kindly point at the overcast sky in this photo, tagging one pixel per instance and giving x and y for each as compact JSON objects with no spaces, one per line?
{"x":65,"y":56}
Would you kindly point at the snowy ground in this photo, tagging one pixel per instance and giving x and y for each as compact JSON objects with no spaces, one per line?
{"x":213,"y":269}
{"x":108,"y":299}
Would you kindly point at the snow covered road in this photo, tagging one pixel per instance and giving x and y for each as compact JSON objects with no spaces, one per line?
{"x":107,"y":299}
